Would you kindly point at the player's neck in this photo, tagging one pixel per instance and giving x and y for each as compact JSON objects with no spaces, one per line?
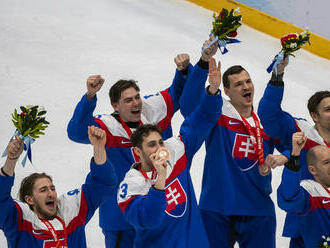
{"x":324,"y":133}
{"x":145,"y":167}
{"x":246,"y":112}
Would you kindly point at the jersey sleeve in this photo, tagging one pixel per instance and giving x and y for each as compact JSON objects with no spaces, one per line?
{"x":193,"y":91}
{"x":276,"y":122}
{"x":8,"y":213}
{"x":142,"y":206}
{"x":177,"y":86}
{"x":82,"y":118}
{"x":160,"y":107}
{"x":197,"y":126}
{"x":291,"y":197}
{"x":99,"y":186}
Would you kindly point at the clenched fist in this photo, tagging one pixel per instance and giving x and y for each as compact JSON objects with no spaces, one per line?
{"x":94,"y":84}
{"x":182,"y":61}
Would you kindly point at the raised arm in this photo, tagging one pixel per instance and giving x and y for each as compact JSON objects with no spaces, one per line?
{"x":183,"y":67}
{"x":194,"y":89}
{"x":290,"y":195}
{"x":83,"y":113}
{"x":101,"y":182}
{"x":276,"y":122}
{"x":14,"y":150}
{"x":197,"y":126}
{"x":8,"y":213}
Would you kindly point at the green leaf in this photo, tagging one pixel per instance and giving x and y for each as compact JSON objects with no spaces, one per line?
{"x":31,"y":122}
{"x":27,"y":132}
{"x":23,"y":109}
{"x":19,"y":125}
{"x":34,"y":136}
{"x":39,"y":132}
{"x":14,"y":117}
{"x":15,"y":123}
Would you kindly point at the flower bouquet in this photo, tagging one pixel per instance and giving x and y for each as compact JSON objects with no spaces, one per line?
{"x":224,"y":29}
{"x":30,"y":121}
{"x":290,"y":43}
{"x":29,"y":124}
{"x":293,"y":42}
{"x":325,"y":243}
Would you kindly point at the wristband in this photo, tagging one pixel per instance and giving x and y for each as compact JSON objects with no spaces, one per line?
{"x":277,"y":80}
{"x":208,"y":91}
{"x":293,"y":163}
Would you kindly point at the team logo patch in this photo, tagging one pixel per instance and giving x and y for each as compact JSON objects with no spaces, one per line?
{"x":243,"y":152}
{"x":176,"y":199}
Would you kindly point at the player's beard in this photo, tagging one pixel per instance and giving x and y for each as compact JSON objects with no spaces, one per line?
{"x":147,"y":160}
{"x":43,"y":213}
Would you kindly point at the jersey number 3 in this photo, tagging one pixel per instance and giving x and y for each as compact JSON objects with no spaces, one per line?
{"x":123,"y":189}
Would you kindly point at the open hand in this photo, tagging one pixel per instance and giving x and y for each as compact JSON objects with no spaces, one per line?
{"x":214,"y":76}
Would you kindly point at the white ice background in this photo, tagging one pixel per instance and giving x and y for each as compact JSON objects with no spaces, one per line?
{"x":48,"y":49}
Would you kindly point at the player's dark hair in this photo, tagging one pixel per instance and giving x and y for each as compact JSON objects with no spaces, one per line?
{"x":143,"y":131}
{"x":121,"y":85}
{"x":235,"y":69}
{"x":315,"y":100}
{"x":27,"y":185}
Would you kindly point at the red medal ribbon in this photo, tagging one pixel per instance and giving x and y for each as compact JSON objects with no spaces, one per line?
{"x":153,"y":174}
{"x":127,"y":129}
{"x":53,"y":232}
{"x":256,"y":138}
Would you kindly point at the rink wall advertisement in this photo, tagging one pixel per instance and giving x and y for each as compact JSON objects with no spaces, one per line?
{"x":269,"y":24}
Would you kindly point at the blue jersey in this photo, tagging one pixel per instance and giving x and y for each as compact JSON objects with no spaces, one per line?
{"x":310,"y":201}
{"x":156,"y":109}
{"x":280,"y":124}
{"x":170,"y":218}
{"x":231,"y":164}
{"x":23,"y":228}
{"x":231,"y":183}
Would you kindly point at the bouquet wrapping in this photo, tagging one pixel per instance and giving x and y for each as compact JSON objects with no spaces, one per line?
{"x":290,"y":43}
{"x":29,"y":124}
{"x":224,"y":29}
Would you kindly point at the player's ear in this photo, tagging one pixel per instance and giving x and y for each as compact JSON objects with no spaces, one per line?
{"x":137,"y":151}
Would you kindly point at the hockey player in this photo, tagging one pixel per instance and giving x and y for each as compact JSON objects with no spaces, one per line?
{"x":157,"y":195}
{"x":41,"y":219}
{"x":282,"y":125}
{"x":308,"y":198}
{"x":235,"y":200}
{"x":130,"y":111}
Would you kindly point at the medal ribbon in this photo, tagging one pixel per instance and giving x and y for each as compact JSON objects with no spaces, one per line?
{"x":255,"y":138}
{"x":53,"y":232}
{"x":127,"y":129}
{"x":153,"y":174}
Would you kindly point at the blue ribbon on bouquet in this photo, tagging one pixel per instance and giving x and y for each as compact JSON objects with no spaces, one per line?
{"x":278,"y":58}
{"x":221,"y":43}
{"x":27,"y":147}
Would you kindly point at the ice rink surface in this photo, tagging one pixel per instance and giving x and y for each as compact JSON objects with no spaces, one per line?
{"x":48,"y":49}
